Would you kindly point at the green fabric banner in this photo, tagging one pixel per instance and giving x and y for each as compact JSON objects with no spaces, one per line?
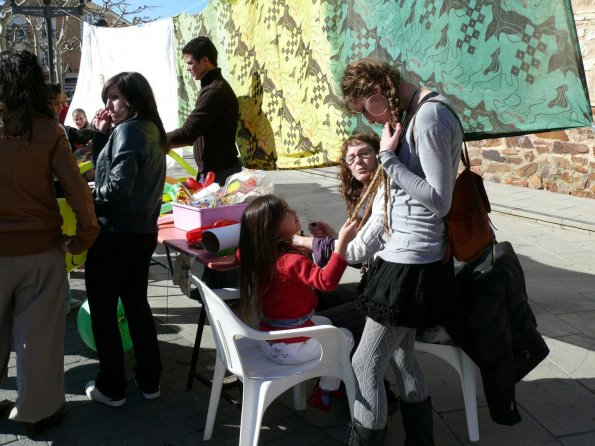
{"x":509,"y":67}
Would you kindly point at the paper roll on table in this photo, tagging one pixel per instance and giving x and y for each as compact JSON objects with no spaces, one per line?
{"x":217,"y":239}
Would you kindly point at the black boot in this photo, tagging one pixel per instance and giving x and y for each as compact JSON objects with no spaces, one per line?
{"x":358,"y":435}
{"x":418,"y":423}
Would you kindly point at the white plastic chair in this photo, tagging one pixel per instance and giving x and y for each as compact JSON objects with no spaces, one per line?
{"x":238,"y":351}
{"x":464,"y":366}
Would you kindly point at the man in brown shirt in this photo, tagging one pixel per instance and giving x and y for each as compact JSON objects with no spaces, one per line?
{"x":212,"y":125}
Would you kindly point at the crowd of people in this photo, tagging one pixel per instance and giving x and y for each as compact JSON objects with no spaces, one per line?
{"x":397,"y":190}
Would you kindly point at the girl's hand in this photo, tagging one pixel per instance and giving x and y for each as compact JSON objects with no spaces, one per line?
{"x":103,"y":120}
{"x":300,"y":241}
{"x":347,"y":233}
{"x":321,"y":229}
{"x":390,"y":139}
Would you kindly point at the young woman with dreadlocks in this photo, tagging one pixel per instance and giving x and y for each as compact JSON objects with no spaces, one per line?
{"x":408,"y":274}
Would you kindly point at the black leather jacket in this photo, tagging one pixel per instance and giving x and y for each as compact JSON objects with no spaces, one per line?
{"x":493,"y":323}
{"x":129,"y":177}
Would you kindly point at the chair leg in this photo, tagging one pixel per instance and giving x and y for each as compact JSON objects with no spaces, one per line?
{"x":253,"y":407}
{"x":202,"y":318}
{"x":216,"y":387}
{"x":469,"y":396}
{"x":348,"y":379}
{"x":299,"y":396}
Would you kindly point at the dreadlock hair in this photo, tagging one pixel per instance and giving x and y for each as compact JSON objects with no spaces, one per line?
{"x":260,"y":247}
{"x":363,"y":78}
{"x":23,"y":91}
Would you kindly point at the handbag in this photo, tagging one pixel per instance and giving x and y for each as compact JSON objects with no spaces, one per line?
{"x":468,"y":227}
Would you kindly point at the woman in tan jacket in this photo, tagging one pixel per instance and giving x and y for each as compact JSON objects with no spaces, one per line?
{"x":34,"y":150}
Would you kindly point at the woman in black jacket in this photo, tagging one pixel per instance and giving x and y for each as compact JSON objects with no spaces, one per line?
{"x":129,"y":177}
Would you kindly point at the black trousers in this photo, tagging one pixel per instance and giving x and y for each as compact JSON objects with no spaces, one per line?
{"x":118,"y":266}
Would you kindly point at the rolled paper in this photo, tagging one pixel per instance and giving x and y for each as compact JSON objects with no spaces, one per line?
{"x":218,"y":239}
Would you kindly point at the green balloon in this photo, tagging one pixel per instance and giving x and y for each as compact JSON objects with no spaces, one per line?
{"x":83,"y":322}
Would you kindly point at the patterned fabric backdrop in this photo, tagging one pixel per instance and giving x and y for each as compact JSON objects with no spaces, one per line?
{"x":509,"y":67}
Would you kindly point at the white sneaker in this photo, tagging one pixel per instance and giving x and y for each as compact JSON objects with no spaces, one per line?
{"x":95,"y":394}
{"x":150,"y":396}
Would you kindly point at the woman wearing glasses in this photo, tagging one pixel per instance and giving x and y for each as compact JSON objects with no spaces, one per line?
{"x":363,"y":188}
{"x":408,"y":276}
{"x":363,"y":198}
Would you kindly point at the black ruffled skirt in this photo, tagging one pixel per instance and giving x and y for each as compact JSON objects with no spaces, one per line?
{"x":406,"y":295}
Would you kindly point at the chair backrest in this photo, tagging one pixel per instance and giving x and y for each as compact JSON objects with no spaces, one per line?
{"x":226,"y":327}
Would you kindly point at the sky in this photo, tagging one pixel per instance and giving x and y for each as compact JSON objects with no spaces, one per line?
{"x":163,"y":9}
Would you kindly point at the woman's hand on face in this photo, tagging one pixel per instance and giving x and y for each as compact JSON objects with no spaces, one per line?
{"x":321,"y":229}
{"x":103,"y":120}
{"x":390,"y":139}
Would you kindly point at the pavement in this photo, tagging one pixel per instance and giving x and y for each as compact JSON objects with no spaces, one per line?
{"x":554,"y":237}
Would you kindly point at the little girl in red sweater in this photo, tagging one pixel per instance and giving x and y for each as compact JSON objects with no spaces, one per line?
{"x":277,"y":281}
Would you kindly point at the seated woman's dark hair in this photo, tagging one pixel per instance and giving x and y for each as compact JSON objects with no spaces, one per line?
{"x":23,"y":91}
{"x":139,"y":98}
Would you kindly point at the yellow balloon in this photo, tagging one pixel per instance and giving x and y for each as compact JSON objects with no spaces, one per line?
{"x":187,"y":167}
{"x":73,"y":261}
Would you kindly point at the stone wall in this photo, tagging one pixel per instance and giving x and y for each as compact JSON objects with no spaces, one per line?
{"x":562,"y":161}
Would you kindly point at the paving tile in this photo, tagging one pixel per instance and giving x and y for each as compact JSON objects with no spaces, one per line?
{"x":582,"y":321}
{"x":526,"y":433}
{"x":575,"y":355}
{"x":586,"y":439}
{"x":557,"y":298}
{"x":559,"y":403}
{"x":551,"y":325}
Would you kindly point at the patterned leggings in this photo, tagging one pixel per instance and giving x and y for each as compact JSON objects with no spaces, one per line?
{"x":378,"y":344}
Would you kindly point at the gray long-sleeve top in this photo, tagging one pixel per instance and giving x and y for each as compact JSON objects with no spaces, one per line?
{"x":422,"y":180}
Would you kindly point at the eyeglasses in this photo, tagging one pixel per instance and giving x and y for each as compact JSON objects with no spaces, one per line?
{"x":363,"y":155}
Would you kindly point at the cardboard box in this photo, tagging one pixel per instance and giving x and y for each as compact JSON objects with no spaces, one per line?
{"x":188,"y":217}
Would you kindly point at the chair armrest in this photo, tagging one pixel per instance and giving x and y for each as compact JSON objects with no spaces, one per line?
{"x":322,"y":333}
{"x":227,"y":293}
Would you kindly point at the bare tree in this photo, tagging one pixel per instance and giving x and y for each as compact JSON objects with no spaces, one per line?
{"x":30,"y":32}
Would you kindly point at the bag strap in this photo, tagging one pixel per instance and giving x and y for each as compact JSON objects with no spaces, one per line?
{"x":464,"y":153}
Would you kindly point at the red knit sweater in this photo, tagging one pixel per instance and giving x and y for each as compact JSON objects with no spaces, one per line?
{"x":290,"y":299}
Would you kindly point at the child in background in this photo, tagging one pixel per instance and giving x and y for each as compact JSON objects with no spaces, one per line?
{"x":276,"y":281}
{"x":80,"y":119}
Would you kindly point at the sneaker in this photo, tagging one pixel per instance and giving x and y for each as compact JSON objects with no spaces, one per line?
{"x":320,"y":399}
{"x":95,"y":394}
{"x":150,"y":395}
{"x":46,"y":423}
